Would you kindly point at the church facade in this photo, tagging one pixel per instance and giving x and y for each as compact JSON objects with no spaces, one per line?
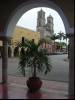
{"x":46,"y":29}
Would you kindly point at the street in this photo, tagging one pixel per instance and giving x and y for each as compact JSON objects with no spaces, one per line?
{"x":59,"y":72}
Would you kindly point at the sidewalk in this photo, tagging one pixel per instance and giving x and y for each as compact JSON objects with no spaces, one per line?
{"x":50,"y":89}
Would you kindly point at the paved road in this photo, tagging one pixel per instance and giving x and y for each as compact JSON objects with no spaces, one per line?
{"x":59,"y":72}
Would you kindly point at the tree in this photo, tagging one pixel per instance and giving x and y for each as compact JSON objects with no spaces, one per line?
{"x":48,"y":39}
{"x":54,"y":37}
{"x":32,"y":56}
{"x":60,"y":36}
{"x":65,"y":36}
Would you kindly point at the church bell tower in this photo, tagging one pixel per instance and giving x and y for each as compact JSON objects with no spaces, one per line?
{"x":41,"y":22}
{"x":49,"y":25}
{"x":45,"y":29}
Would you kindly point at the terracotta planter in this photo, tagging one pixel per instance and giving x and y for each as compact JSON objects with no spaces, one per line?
{"x":34,"y":84}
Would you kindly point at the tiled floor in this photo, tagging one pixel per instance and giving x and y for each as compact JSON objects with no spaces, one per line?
{"x":17,"y":89}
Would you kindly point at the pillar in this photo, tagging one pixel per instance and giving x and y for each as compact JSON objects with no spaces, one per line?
{"x":71,"y":66}
{"x":4,"y":60}
{"x":12,"y":53}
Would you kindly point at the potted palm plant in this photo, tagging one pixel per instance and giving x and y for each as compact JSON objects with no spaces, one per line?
{"x":33,"y":56}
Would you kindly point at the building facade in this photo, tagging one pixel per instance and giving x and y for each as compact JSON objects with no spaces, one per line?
{"x":43,"y":29}
{"x":46,"y":29}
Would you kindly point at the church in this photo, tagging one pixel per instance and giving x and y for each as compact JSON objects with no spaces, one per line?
{"x":46,"y":29}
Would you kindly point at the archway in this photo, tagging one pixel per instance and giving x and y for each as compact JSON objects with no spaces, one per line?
{"x":15,"y":16}
{"x":29,"y":5}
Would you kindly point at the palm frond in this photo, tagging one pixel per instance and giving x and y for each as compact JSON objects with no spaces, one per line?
{"x":33,"y":56}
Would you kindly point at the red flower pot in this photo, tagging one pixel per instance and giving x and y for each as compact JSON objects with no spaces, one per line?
{"x":34,"y":84}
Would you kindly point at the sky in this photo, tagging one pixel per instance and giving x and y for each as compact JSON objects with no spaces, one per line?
{"x":29,"y":19}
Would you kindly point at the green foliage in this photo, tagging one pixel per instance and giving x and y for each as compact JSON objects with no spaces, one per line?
{"x":33,"y":56}
{"x":48,"y":39}
{"x":54,"y":37}
{"x":60,"y":35}
{"x":62,"y":44}
{"x":65,"y":36}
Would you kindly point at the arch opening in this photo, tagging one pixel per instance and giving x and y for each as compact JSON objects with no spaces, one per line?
{"x":23,"y":9}
{"x":19,"y":11}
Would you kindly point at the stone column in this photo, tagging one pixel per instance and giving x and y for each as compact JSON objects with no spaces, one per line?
{"x":71,"y":66}
{"x":4,"y":60}
{"x":12,"y":53}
